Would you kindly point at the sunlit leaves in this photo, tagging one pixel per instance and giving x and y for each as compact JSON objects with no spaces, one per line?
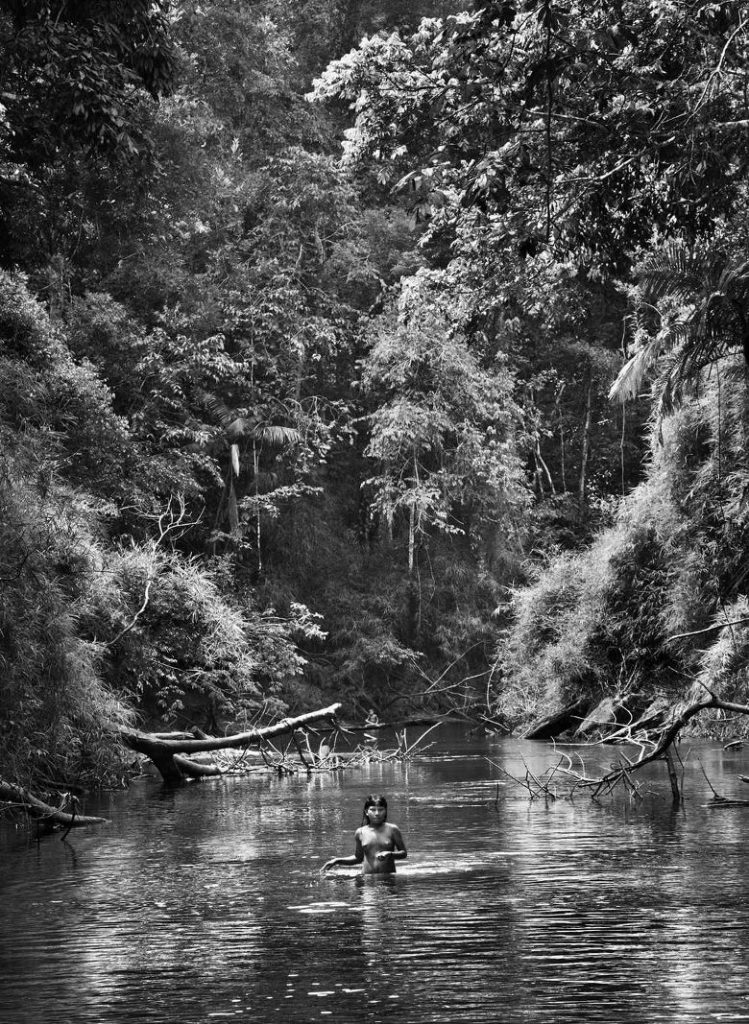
{"x":587,"y":131}
{"x":442,"y":432}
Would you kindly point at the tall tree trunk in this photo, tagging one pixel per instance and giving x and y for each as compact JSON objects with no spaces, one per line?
{"x":542,"y":468}
{"x":411,"y":538}
{"x":586,"y":441}
{"x":350,"y":24}
{"x":563,"y":466}
{"x":258,"y":528}
{"x":622,"y":443}
{"x":412,"y":521}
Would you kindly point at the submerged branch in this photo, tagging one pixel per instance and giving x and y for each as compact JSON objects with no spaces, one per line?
{"x":18,"y":797}
{"x":168,"y":751}
{"x":650,"y":750}
{"x":165,"y":752}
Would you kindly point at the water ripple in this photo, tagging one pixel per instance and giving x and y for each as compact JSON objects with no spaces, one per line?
{"x":209,"y":904}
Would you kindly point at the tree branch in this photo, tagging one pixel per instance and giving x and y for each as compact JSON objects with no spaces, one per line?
{"x":167,"y":522}
{"x":650,"y":751}
{"x":708,"y":629}
{"x":164,"y":753}
{"x":16,"y":796}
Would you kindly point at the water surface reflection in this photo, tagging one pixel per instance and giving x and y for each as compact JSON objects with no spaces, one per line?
{"x":208,"y":903}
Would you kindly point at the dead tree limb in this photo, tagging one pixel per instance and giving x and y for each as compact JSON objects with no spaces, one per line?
{"x":494,"y":723}
{"x":194,"y":769}
{"x":536,"y":788}
{"x":650,"y":750}
{"x":668,"y":736}
{"x":17,"y":796}
{"x":174,"y":769}
{"x":722,"y":801}
{"x":167,"y":522}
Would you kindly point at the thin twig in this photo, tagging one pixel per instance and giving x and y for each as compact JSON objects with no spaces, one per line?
{"x":708,"y":629}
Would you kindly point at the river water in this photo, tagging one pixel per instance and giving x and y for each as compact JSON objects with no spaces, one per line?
{"x":207,"y":903}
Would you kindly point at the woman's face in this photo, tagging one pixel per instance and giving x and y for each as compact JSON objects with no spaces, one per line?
{"x":376,"y":814}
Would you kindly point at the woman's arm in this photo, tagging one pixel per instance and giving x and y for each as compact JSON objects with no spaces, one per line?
{"x":356,"y":857}
{"x":339,"y":860}
{"x":399,"y":851}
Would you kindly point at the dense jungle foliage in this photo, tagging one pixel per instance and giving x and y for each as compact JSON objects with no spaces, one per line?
{"x":392,"y":353}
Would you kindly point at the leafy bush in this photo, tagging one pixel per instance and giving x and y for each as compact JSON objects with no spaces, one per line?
{"x":184,"y":650}
{"x":54,"y":701}
{"x":724,"y":666}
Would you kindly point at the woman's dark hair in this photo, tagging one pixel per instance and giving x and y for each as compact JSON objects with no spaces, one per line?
{"x":374,"y":800}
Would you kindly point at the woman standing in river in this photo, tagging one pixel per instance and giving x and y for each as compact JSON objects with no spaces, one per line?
{"x":377,"y":844}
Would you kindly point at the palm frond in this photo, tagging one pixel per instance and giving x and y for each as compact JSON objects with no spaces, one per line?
{"x":702,"y":299}
{"x":673,"y":272}
{"x":240,"y":426}
{"x":270,"y":433}
{"x":234,"y":421}
{"x":631,"y":376}
{"x":218,"y":409}
{"x":669,"y":386}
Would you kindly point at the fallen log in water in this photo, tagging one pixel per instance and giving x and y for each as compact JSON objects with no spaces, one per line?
{"x":653,"y":749}
{"x":168,"y":755}
{"x":18,"y":797}
{"x":560,"y":720}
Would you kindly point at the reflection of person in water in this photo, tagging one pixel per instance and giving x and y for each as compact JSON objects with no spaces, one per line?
{"x":377,"y":844}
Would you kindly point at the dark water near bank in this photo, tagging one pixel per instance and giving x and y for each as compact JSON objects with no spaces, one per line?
{"x":207,"y":904}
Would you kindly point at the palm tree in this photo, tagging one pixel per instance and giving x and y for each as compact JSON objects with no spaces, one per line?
{"x":692,"y":308}
{"x":254,"y":429}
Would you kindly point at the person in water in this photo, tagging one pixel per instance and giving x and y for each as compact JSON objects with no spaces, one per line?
{"x":377,"y":844}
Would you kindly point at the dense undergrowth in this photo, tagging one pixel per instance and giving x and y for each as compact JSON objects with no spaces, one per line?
{"x":655,"y":607}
